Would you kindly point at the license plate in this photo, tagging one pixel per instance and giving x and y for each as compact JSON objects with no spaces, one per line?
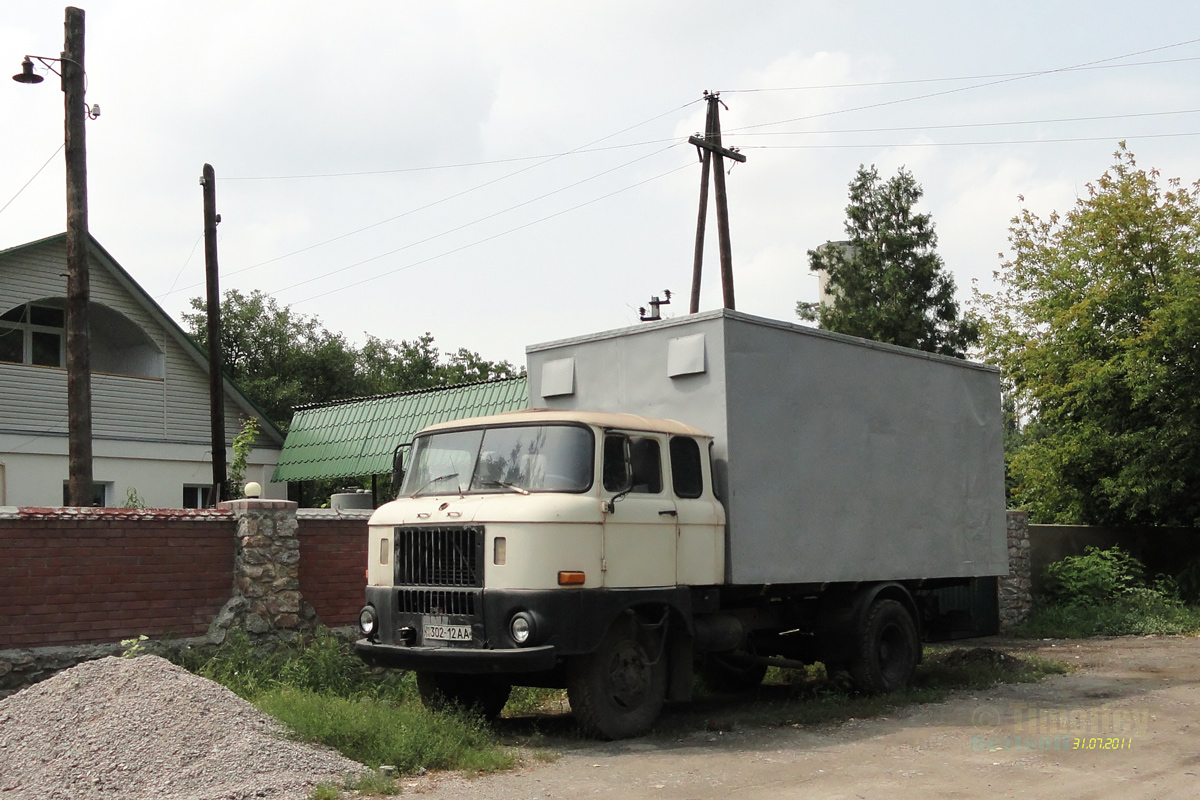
{"x":448,"y":633}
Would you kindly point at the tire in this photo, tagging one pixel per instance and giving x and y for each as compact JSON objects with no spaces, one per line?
{"x":731,"y":673}
{"x":886,"y":649}
{"x":618,"y":691}
{"x":478,"y":694}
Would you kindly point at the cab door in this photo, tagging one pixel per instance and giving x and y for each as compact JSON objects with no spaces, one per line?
{"x":700,"y":552}
{"x":640,"y":530}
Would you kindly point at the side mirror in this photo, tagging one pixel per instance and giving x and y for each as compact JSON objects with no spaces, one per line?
{"x":398,"y":469}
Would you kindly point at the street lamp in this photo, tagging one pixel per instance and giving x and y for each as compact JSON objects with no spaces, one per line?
{"x":79,"y":373}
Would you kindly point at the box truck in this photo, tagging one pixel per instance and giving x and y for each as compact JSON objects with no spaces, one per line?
{"x":717,"y":492}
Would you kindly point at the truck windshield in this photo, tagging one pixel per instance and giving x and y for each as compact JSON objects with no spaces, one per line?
{"x":524,"y":458}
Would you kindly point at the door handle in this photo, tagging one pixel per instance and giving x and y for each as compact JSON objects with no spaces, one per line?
{"x":669,"y":512}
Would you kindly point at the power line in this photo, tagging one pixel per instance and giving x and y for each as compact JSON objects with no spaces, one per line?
{"x":442,"y":167}
{"x":31,"y":180}
{"x":579,"y":151}
{"x":689,"y":165}
{"x":1024,"y":76}
{"x":969,"y":144}
{"x":471,"y":223}
{"x":866,"y":84}
{"x":587,"y":148}
{"x":977,"y":124}
{"x":477,"y":187}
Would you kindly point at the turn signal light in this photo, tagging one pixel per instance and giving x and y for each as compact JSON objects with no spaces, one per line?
{"x":571,"y":578}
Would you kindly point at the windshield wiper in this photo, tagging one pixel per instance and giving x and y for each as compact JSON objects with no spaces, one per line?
{"x":438,"y":479}
{"x":504,"y":485}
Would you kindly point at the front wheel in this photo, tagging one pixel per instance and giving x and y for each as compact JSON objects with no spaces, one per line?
{"x":480,"y":694}
{"x":618,"y":691}
{"x":886,"y":649}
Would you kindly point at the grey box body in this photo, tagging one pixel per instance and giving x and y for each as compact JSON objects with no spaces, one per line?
{"x":837,"y":459}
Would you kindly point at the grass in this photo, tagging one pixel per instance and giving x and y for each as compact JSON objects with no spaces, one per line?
{"x":376,"y":732}
{"x":1111,"y":593}
{"x":324,"y":693}
{"x":372,"y":784}
{"x":1122,"y":618}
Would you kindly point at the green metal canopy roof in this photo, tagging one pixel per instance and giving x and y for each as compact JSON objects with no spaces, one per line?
{"x":357,"y":437}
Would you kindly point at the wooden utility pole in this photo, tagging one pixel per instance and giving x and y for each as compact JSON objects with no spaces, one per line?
{"x":710,"y":147}
{"x":702,"y":218}
{"x":216,"y":387}
{"x":79,"y":368}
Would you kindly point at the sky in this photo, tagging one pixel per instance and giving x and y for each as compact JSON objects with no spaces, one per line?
{"x":502,"y":174}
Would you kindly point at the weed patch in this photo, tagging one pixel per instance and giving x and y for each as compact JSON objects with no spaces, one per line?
{"x":1109,"y":593}
{"x":325,"y":693}
{"x":376,"y":732}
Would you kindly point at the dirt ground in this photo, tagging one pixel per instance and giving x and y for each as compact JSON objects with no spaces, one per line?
{"x":1124,"y":724}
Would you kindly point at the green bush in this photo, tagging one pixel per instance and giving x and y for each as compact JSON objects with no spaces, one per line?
{"x":1188,"y":582}
{"x":1096,"y":577}
{"x":1108,"y":593}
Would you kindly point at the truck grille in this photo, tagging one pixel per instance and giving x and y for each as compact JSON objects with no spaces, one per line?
{"x":433,"y":601}
{"x":439,"y":555}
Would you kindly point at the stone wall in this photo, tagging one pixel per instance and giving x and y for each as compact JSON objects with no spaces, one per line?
{"x":1016,"y":588}
{"x":266,"y":599}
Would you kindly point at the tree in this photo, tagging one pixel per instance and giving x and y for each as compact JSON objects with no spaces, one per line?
{"x":887,"y":282}
{"x":388,"y":366}
{"x":1096,"y":328}
{"x":282,"y":359}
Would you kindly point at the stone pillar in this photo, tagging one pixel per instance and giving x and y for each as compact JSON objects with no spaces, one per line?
{"x":266,"y":599}
{"x":1016,"y":588}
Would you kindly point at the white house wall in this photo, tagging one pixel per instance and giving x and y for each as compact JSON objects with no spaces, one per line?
{"x":142,"y":424}
{"x":33,"y":470}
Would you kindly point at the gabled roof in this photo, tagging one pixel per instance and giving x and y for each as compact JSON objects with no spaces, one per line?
{"x":172,"y":328}
{"x":349,"y":438}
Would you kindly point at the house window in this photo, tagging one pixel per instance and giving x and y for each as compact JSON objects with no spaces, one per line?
{"x":100,"y":494}
{"x":197,"y":496}
{"x":33,"y":334}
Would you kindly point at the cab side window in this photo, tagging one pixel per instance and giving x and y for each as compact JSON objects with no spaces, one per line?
{"x":687,"y":476}
{"x":632,"y":463}
{"x":616,"y":463}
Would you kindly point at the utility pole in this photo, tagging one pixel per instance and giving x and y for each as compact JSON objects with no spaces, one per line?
{"x":79,"y":368}
{"x":710,"y":148}
{"x":701,"y":219}
{"x":216,"y":388}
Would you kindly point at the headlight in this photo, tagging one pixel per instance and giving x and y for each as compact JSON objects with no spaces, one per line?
{"x":521,"y":628}
{"x":367,"y":620}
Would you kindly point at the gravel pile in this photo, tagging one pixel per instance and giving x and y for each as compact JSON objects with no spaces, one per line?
{"x":145,"y":728}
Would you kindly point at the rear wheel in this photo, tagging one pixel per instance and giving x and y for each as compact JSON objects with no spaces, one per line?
{"x":886,"y":649}
{"x":480,"y":694}
{"x":618,"y":691}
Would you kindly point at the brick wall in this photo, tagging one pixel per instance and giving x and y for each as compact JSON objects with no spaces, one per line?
{"x":333,"y":560}
{"x":71,"y":576}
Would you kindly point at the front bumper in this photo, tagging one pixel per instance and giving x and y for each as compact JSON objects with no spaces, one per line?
{"x":457,"y":659}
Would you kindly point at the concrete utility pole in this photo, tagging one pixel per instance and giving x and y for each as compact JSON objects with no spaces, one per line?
{"x":710,"y":147}
{"x":216,"y":388}
{"x":79,"y":367}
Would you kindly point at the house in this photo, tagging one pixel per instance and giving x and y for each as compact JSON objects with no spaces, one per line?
{"x":150,"y":391}
{"x":359,"y":437}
